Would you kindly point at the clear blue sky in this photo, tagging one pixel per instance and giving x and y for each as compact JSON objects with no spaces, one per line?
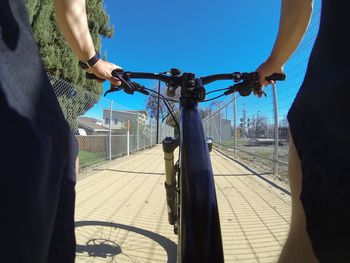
{"x":199,"y":36}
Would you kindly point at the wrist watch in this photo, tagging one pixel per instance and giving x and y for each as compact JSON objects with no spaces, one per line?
{"x":92,"y":61}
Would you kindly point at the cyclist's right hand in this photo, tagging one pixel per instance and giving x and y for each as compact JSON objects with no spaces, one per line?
{"x":267,"y":69}
{"x":103,"y":70}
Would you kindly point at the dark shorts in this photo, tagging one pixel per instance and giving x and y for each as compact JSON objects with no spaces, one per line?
{"x":37,"y":152}
{"x":320,"y":126}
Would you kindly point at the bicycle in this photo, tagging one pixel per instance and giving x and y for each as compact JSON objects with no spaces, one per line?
{"x":189,"y":184}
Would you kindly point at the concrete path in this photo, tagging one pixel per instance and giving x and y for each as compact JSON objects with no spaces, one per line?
{"x":121,"y":213}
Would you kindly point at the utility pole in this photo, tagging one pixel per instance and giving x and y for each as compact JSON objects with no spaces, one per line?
{"x":128,"y":139}
{"x":220,"y":128}
{"x":275,"y":106}
{"x":138,"y":133}
{"x":234,"y":124}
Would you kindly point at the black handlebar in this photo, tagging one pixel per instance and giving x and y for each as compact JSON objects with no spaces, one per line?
{"x":245,"y":82}
{"x":216,"y":77}
{"x":139,"y":75}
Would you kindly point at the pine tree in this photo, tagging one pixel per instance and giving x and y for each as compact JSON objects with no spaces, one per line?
{"x":59,"y":60}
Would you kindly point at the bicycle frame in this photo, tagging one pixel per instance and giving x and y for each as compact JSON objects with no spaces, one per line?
{"x":200,"y":233}
{"x":195,"y":209}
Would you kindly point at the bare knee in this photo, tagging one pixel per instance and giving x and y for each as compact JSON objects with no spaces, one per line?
{"x":77,"y":167}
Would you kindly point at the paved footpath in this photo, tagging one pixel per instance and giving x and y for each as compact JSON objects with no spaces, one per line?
{"x":121,"y":213}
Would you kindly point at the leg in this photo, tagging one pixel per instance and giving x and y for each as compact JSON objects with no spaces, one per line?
{"x":298,"y":246}
{"x":63,"y":244}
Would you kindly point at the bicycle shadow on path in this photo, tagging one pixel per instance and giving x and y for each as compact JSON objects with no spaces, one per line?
{"x":103,"y":248}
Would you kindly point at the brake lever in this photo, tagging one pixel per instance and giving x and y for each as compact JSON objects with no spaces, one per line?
{"x":117,"y":73}
{"x":128,"y":87}
{"x":245,"y":89}
{"x":258,"y":88}
{"x":113,"y":88}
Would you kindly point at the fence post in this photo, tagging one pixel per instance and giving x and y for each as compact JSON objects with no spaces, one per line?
{"x":275,"y":108}
{"x":216,"y":134}
{"x":234,"y":125}
{"x":138,"y":133}
{"x":110,"y":130}
{"x":150,"y":128}
{"x":220,"y":126}
{"x":212,"y":125}
{"x":128,"y":140}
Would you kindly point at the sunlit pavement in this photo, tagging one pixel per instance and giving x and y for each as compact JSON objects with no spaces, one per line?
{"x":121,"y":213}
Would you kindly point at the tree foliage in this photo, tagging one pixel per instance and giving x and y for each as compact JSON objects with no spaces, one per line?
{"x":258,"y":126}
{"x":57,"y":57}
{"x":152,"y":105}
{"x":204,"y":112}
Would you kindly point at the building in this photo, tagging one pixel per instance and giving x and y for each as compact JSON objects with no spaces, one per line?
{"x":218,"y":128}
{"x":120,"y":118}
{"x":90,"y":126}
{"x":283,"y":133}
{"x":226,"y":131}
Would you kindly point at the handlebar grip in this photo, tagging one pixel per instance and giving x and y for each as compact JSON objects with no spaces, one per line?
{"x":276,"y":76}
{"x":113,"y":88}
{"x":118,"y":72}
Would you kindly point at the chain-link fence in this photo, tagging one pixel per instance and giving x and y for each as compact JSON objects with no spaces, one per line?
{"x":111,"y":130}
{"x":249,"y":128}
{"x":255,"y":130}
{"x":74,"y":101}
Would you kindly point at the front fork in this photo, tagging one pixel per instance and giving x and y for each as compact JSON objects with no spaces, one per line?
{"x":169,"y":146}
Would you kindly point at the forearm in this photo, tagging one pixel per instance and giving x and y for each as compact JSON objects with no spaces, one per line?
{"x":295,"y":17}
{"x":72,"y":21}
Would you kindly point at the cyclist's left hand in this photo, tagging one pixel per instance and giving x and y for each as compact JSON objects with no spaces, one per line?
{"x":103,"y":70}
